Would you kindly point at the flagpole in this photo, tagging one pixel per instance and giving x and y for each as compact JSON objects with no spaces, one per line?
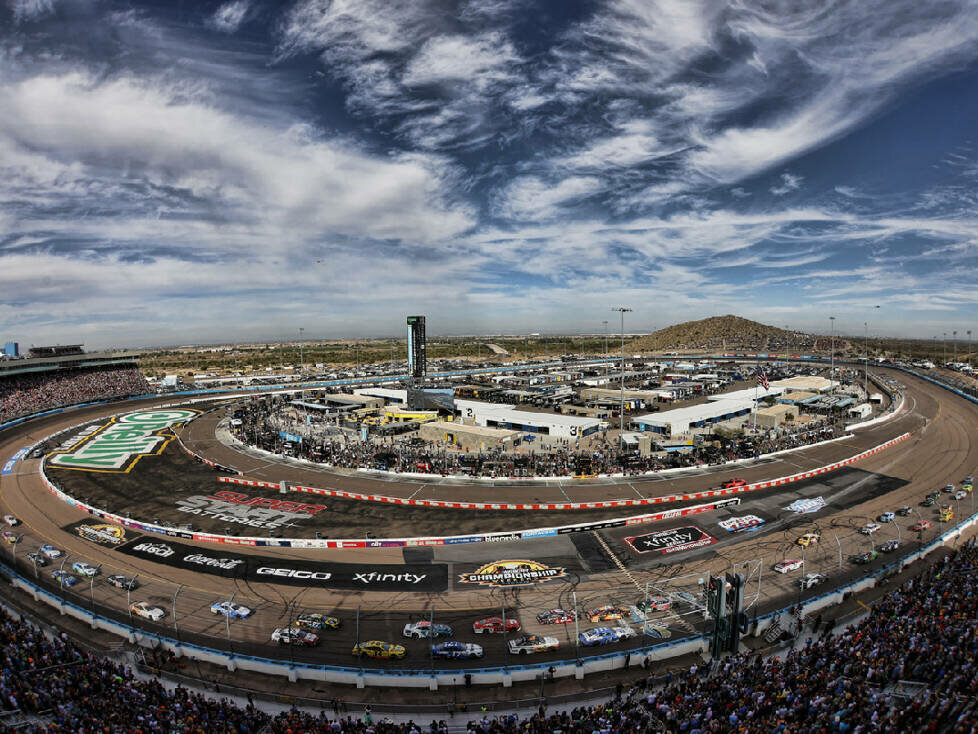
{"x":757,"y":381}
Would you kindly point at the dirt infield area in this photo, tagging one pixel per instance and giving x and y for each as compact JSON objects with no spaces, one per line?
{"x":175,"y":489}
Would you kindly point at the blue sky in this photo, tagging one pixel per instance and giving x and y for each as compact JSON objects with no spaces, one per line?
{"x":205,"y":172}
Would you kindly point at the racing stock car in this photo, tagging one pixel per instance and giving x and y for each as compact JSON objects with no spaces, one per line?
{"x":425,"y":629}
{"x":532,"y":643}
{"x":293,"y":636}
{"x":454,"y":650}
{"x":556,"y":616}
{"x":495,"y":624}
{"x":230,"y":609}
{"x":379,"y":649}
{"x":317,"y":622}
{"x":605,"y":635}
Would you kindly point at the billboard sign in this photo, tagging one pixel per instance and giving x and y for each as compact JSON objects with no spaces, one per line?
{"x":673,"y":540}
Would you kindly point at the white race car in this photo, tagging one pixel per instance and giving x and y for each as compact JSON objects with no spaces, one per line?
{"x":147,"y":611}
{"x":788,"y":565}
{"x":84,"y":569}
{"x":532,"y":643}
{"x":425,"y":629}
{"x":11,"y":520}
{"x":51,"y":552}
{"x":230,"y":609}
{"x":869,"y":528}
{"x":284,"y":636}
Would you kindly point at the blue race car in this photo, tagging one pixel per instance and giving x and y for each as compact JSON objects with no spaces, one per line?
{"x":230,"y":609}
{"x":456,"y":650}
{"x":604,"y":635}
{"x":64,"y":578}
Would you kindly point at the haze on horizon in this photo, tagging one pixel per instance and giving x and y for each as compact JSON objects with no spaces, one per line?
{"x":230,"y":172}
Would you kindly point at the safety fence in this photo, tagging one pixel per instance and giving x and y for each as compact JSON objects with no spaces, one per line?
{"x":431,"y":678}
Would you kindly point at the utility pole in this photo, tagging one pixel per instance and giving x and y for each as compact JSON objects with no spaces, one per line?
{"x":621,"y":410}
{"x":832,"y":355}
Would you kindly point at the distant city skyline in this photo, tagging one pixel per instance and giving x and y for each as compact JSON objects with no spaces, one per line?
{"x":222,"y":172}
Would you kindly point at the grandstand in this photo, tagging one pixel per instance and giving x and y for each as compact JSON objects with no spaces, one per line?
{"x":910,"y":664}
{"x":35,"y":384}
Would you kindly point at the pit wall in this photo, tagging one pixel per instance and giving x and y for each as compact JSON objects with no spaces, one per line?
{"x":428,"y":679}
{"x":454,"y":539}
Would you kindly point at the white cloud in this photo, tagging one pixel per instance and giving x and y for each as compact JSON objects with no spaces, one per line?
{"x":291,"y":182}
{"x":789,"y":182}
{"x":30,"y":9}
{"x":530,"y":198}
{"x":229,"y":17}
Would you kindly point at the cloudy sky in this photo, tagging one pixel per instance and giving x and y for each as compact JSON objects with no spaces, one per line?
{"x":202,"y":172}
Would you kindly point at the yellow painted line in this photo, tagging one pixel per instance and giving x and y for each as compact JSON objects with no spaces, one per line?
{"x":863,"y":605}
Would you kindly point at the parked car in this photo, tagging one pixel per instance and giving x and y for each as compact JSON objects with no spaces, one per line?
{"x":123,"y":582}
{"x":230,"y":609}
{"x":147,"y":611}
{"x":811,"y":579}
{"x":607,"y":613}
{"x":890,"y":546}
{"x":869,"y":528}
{"x":532,"y":643}
{"x":293,"y":636}
{"x":808,"y":539}
{"x":84,"y":569}
{"x":455,"y":650}
{"x":918,"y":527}
{"x":379,"y":649}
{"x":886,"y":517}
{"x":51,"y":552}
{"x":495,"y":625}
{"x":788,"y":565}
{"x":654,"y":604}
{"x":556,"y":616}
{"x":425,"y":629}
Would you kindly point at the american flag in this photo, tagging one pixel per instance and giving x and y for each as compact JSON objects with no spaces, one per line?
{"x":762,"y":380}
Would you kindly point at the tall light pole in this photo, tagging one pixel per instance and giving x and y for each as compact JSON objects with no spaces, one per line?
{"x":954,"y":344}
{"x":969,"y":345}
{"x":606,"y":338}
{"x":302,"y":360}
{"x":832,"y":355}
{"x":866,"y":363}
{"x":621,"y":410}
{"x":944,"y":350}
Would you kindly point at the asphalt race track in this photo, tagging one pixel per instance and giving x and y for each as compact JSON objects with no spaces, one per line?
{"x":598,"y":567}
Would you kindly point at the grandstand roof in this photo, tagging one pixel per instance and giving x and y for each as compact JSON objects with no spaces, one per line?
{"x":49,"y":364}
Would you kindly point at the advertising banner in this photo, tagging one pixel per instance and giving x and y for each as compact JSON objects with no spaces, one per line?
{"x":120,"y":443}
{"x":101,"y":532}
{"x":288,"y":571}
{"x":512,"y":573}
{"x":739,"y":524}
{"x":809,"y":505}
{"x":9,"y":466}
{"x":673,"y":540}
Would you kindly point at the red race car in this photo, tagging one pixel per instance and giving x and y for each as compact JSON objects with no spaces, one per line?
{"x":556,"y":616}
{"x":922,"y":525}
{"x":727,"y":484}
{"x":495,"y":624}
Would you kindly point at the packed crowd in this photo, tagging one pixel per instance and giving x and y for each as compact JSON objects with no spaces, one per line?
{"x":264,"y":422}
{"x":28,"y":394}
{"x":924,"y":633}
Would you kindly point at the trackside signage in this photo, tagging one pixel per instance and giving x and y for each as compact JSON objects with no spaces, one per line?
{"x":122,"y":442}
{"x":290,"y":571}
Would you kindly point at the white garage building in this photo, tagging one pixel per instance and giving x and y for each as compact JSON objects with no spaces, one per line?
{"x":679,"y":421}
{"x":501,"y":415}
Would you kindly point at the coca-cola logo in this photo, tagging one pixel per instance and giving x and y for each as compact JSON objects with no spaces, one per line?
{"x":202,"y":560}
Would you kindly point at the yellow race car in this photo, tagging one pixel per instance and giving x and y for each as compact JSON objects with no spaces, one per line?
{"x":378,"y":649}
{"x":808,"y":539}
